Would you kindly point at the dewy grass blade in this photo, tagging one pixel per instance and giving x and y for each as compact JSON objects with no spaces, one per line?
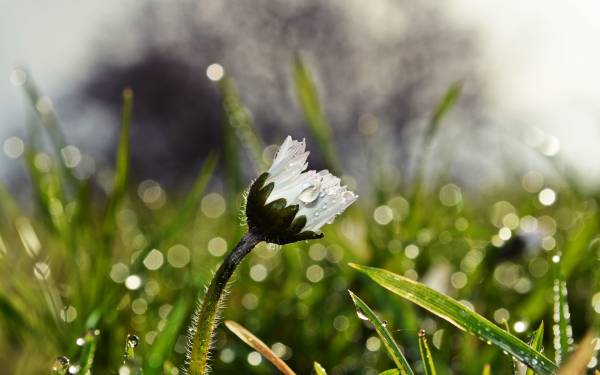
{"x":241,"y":123}
{"x":256,"y":344}
{"x":563,"y":333}
{"x":388,"y":341}
{"x":122,"y":163}
{"x":446,"y":104}
{"x":319,"y":370}
{"x":460,"y":316}
{"x":426,"y":358}
{"x":316,"y":119}
{"x":537,"y":343}
{"x":578,"y":361}
{"x":163,"y":345}
{"x":89,"y":349}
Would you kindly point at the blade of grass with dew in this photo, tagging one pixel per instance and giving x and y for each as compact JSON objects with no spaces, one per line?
{"x":392,"y":371}
{"x":426,"y":357}
{"x":537,"y":343}
{"x":563,"y":333}
{"x":318,"y":369}
{"x":256,"y":344}
{"x":459,"y":315}
{"x":163,"y":345}
{"x":388,"y":341}
{"x":87,"y":354}
{"x":443,"y":107}
{"x":44,"y":110}
{"x":122,"y":163}
{"x":515,"y":361}
{"x":318,"y":125}
{"x":577,"y":363}
{"x":574,"y":253}
{"x":41,"y":199}
{"x":240,"y":121}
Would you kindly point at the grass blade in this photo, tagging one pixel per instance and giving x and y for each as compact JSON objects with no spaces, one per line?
{"x":122,"y":163}
{"x":44,"y":111}
{"x":392,"y":371}
{"x":563,"y":333}
{"x":319,"y":370}
{"x":537,"y":343}
{"x":426,"y":358}
{"x":240,"y":121}
{"x":460,"y":316}
{"x":89,"y":349}
{"x":487,"y":370}
{"x":577,"y":363}
{"x":446,"y":104}
{"x":388,"y":341}
{"x":163,"y":345}
{"x":315,"y":118}
{"x":255,"y":343}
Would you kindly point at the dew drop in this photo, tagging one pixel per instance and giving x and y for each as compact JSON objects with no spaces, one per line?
{"x":132,"y":341}
{"x":60,"y":365}
{"x":361,"y":315}
{"x":80,"y":341}
{"x":309,"y":193}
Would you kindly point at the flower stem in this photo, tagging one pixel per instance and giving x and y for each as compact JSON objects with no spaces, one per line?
{"x":205,"y":321}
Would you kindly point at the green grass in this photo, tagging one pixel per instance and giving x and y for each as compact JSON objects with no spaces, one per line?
{"x":104,"y":263}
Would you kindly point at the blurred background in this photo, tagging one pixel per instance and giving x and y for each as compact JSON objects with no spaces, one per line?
{"x":529,"y":77}
{"x":476,"y":207}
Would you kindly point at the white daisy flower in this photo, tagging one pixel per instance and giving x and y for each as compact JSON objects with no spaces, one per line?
{"x":288,"y":203}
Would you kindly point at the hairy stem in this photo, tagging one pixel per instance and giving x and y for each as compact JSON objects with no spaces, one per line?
{"x":205,"y":321}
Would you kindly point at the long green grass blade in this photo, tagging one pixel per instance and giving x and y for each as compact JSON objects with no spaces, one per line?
{"x":315,"y":118}
{"x":487,"y":370}
{"x":163,"y":345}
{"x":392,"y":371}
{"x":460,"y":316}
{"x":122,"y":162}
{"x":241,"y":124}
{"x":388,"y":341}
{"x":563,"y":333}
{"x":444,"y":106}
{"x":44,"y":111}
{"x":578,"y":361}
{"x":318,"y":369}
{"x":87,"y":354}
{"x":537,"y":343}
{"x":426,"y":357}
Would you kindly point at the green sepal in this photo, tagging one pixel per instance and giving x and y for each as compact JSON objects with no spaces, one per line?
{"x":275,"y":222}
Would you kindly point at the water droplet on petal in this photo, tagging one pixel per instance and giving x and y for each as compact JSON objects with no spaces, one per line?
{"x":309,"y":194}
